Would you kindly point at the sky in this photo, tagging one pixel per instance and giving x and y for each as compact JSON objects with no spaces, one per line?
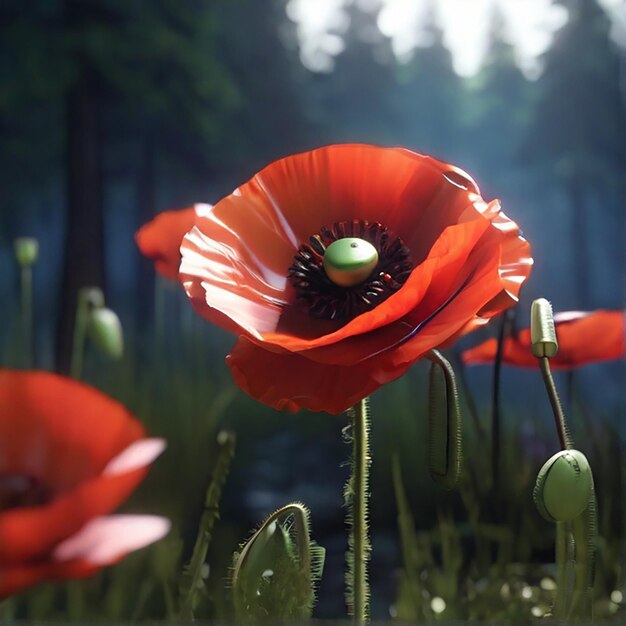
{"x":529,"y":26}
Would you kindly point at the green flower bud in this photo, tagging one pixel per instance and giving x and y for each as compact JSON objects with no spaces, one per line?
{"x":26,"y":251}
{"x":350,"y":261}
{"x":542,"y":331}
{"x":92,"y":297}
{"x":564,"y":486}
{"x":105,"y":330}
{"x":275,"y":572}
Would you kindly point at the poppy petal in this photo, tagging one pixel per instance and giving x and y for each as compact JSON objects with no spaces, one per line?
{"x":106,"y":540}
{"x":259,"y":320}
{"x":469,"y":262}
{"x":236,"y":259}
{"x":401,"y":344}
{"x":289,"y":382}
{"x":160,"y":239}
{"x":138,"y":454}
{"x":583,"y":338}
{"x":47,"y":426}
{"x":31,"y":532}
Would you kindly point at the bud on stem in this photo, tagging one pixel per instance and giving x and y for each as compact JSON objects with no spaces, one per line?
{"x":542,"y":331}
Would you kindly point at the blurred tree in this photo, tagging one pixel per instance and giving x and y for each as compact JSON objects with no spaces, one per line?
{"x":356,"y":101}
{"x":577,"y":136}
{"x":30,"y":109}
{"x":431,"y":94}
{"x":170,"y":95}
{"x":497,"y":116}
{"x":257,"y":45}
{"x":151,"y":67}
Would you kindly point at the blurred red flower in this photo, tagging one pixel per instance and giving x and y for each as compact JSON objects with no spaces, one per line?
{"x":583,"y":337}
{"x":160,"y":238}
{"x":69,"y":455}
{"x":448,"y":261}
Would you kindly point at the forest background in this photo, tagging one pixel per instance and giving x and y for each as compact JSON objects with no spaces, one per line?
{"x":111,"y":111}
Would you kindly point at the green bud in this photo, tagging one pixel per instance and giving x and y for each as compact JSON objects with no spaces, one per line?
{"x":564,"y":486}
{"x":105,"y":330}
{"x":26,"y":251}
{"x":92,"y":297}
{"x":350,"y":261}
{"x":542,"y":331}
{"x":275,"y":572}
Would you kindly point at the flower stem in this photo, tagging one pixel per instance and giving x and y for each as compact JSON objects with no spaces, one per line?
{"x":26,"y":279}
{"x":357,"y":496}
{"x":584,"y":530}
{"x":495,"y":409}
{"x":80,"y":332}
{"x":159,"y":312}
{"x":460,"y":369}
{"x":192,"y":579}
{"x":576,"y":540}
{"x":564,"y":573}
{"x":565,"y":438}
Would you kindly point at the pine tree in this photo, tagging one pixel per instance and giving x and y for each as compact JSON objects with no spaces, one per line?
{"x":356,"y":100}
{"x":152,"y":67}
{"x":498,"y":116}
{"x":432,"y":95}
{"x":578,"y":136}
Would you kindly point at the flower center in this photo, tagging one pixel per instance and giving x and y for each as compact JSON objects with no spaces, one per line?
{"x":349,"y":269}
{"x":20,"y":490}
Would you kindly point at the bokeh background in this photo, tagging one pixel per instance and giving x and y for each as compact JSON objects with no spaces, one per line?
{"x":114,"y":110}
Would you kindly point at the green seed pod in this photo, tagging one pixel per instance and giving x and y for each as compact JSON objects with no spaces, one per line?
{"x":26,"y":251}
{"x":105,"y":330}
{"x":349,"y":261}
{"x":542,"y":331}
{"x":564,"y":486}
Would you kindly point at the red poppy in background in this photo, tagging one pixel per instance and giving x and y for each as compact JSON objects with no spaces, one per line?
{"x":448,"y":261}
{"x":69,"y":455}
{"x":160,"y":238}
{"x":583,"y":337}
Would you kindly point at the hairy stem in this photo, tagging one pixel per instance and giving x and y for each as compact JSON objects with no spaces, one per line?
{"x":357,"y":496}
{"x":584,"y":529}
{"x":192,"y":579}
{"x":564,"y":575}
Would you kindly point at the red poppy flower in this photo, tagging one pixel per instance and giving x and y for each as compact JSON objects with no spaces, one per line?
{"x":447,"y":262}
{"x":584,"y":337}
{"x":69,"y":455}
{"x":160,"y":238}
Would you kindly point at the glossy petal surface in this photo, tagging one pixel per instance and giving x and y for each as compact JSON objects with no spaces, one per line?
{"x":469,"y":263}
{"x":583,"y":337}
